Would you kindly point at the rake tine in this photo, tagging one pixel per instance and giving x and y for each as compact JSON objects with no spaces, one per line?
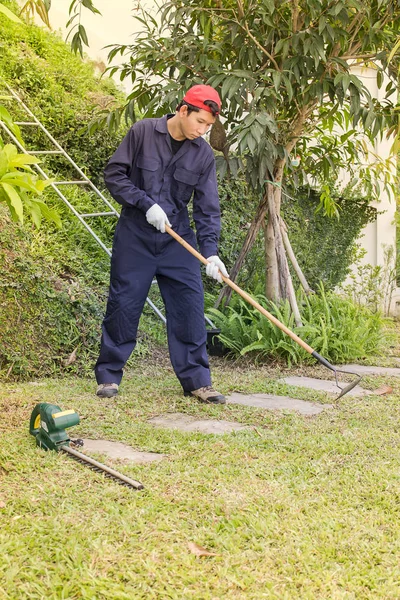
{"x":347,"y":388}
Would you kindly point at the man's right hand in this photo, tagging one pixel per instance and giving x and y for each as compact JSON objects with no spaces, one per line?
{"x":157,"y":217}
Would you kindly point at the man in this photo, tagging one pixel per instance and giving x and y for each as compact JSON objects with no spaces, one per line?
{"x":159,"y":166}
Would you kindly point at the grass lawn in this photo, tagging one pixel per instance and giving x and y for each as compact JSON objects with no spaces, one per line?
{"x":293,"y":507}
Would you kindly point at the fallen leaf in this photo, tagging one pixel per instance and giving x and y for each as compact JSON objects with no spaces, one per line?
{"x":72,"y":357}
{"x":2,"y":504}
{"x":384,"y":389}
{"x":199,"y":551}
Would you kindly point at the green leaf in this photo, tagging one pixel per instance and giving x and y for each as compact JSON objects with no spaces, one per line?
{"x":277,"y":77}
{"x":76,"y":44}
{"x":83,"y":34}
{"x":49,"y":214}
{"x":3,"y":163}
{"x":23,"y":159}
{"x":89,"y":4}
{"x":15,"y":200}
{"x":22,"y":181}
{"x":10,"y":151}
{"x":34,"y":211}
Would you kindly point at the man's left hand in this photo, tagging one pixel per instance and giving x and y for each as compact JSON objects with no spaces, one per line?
{"x":215,"y":267}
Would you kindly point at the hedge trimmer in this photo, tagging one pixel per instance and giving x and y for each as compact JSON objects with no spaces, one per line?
{"x":48,"y":424}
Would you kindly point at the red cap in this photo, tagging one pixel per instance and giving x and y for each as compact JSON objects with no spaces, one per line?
{"x":198,"y":94}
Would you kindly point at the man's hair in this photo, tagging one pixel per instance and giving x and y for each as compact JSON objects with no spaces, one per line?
{"x":213,"y":106}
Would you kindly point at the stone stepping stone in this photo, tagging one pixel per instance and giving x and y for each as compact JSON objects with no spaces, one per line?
{"x":367,"y":370}
{"x":117,"y":450}
{"x":188,"y":423}
{"x":272,"y":402}
{"x":322,"y":385}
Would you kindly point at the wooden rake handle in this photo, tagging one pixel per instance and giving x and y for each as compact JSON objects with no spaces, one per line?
{"x":242,"y":293}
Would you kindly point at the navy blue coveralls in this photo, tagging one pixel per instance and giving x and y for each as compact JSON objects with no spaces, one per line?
{"x":144,"y":171}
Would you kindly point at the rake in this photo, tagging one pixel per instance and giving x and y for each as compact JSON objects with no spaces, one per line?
{"x":274,"y":320}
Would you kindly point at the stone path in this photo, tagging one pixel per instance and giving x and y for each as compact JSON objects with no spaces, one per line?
{"x":188,"y":423}
{"x":272,"y":402}
{"x":322,"y":385}
{"x":367,"y":370}
{"x":116,"y":450}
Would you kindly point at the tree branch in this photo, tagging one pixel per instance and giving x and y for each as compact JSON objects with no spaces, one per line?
{"x":245,"y":28}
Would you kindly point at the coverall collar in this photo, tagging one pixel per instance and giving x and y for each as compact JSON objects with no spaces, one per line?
{"x":162,"y":127}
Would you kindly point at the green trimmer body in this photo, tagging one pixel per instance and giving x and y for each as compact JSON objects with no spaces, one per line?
{"x":48,"y":424}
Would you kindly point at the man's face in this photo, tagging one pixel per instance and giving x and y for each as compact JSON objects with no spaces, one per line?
{"x":195,"y":124}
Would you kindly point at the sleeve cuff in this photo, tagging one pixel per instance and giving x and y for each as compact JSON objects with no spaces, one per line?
{"x":209,"y":250}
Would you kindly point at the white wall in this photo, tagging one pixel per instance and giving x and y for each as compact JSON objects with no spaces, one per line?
{"x":382,"y":233}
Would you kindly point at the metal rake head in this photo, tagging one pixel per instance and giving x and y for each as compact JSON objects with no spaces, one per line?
{"x":350,"y":386}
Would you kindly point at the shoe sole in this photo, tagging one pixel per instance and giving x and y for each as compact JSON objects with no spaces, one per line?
{"x":216,"y":401}
{"x":107,"y":395}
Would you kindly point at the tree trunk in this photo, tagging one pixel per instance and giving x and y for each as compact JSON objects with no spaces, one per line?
{"x":277,"y":268}
{"x":275,"y":261}
{"x":272,"y":290}
{"x":292,"y":257}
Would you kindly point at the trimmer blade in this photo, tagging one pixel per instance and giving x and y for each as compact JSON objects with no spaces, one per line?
{"x":100,"y":468}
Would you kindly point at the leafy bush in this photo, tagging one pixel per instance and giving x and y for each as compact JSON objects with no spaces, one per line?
{"x":54,"y":282}
{"x":333,"y":326}
{"x":325,"y":247}
{"x":47,"y":313}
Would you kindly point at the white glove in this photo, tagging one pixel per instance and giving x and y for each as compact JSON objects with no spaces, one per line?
{"x":157,"y":217}
{"x":215,"y":265}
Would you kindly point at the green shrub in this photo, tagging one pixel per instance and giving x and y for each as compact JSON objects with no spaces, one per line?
{"x":325,"y":247}
{"x":46,"y":312}
{"x":333,"y":326}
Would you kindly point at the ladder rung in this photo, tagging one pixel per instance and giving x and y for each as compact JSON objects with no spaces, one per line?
{"x":45,"y":152}
{"x":100,"y":214}
{"x":78,"y":182}
{"x":26,"y":123}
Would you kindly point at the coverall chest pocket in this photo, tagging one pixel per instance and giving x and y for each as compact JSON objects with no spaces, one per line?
{"x":183,"y":183}
{"x":150,"y":173}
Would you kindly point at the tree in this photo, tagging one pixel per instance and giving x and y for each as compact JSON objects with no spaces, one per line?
{"x":42,"y":9}
{"x":284,"y":73}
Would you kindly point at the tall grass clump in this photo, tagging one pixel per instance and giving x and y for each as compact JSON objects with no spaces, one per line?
{"x":333,"y":325}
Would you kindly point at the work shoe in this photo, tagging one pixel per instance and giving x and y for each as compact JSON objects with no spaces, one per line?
{"x":107,"y":390}
{"x":207,"y":395}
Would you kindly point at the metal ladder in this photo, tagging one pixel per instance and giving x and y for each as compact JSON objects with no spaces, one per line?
{"x":83,"y":180}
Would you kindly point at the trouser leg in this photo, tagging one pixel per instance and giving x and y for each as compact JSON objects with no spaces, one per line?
{"x":179,"y":279}
{"x":132,"y":270}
